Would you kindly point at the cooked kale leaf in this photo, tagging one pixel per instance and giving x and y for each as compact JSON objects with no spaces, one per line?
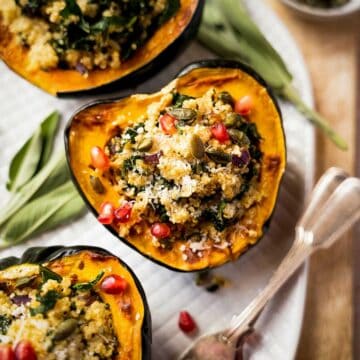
{"x":47,"y":274}
{"x":88,"y":285}
{"x":4,"y":324}
{"x":47,"y":302}
{"x":172,"y":7}
{"x":178,"y":99}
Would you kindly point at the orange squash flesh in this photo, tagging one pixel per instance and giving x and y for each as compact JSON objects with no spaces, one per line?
{"x":86,"y":265}
{"x":59,"y":81}
{"x":127,"y":326}
{"x":96,"y":124}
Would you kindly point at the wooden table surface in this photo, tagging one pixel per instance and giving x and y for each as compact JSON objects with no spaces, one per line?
{"x":331,"y":52}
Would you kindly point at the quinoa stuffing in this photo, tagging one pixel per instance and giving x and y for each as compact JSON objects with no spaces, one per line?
{"x":190,"y":169}
{"x":83,"y":34}
{"x":55,"y":317}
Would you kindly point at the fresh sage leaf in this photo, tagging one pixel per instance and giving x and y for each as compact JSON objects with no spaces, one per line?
{"x":48,"y":131}
{"x":57,"y":177}
{"x":36,"y":213}
{"x":70,"y":211}
{"x":47,"y":302}
{"x":88,"y":285}
{"x":34,"y":154}
{"x":47,"y":274}
{"x":20,"y":198}
{"x":228,"y":29}
{"x":25,"y":163}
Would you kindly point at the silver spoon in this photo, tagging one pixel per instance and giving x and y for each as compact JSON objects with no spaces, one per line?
{"x":333,"y":208}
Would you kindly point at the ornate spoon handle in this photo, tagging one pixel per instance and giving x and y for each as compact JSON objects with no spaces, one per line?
{"x":333,"y":209}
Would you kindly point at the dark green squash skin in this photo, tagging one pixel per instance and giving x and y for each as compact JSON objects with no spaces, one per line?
{"x":210,"y":63}
{"x":143,"y":73}
{"x":39,"y":255}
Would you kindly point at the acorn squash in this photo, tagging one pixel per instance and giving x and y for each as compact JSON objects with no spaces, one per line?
{"x":209,"y":176}
{"x":76,"y":275}
{"x":158,"y":50}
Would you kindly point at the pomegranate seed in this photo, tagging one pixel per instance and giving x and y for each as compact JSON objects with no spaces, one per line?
{"x":220,"y":132}
{"x":99,"y":159}
{"x":114,"y":284}
{"x":186,"y":322}
{"x":6,"y":352}
{"x":25,"y":351}
{"x":167,"y":124}
{"x":123,"y":213}
{"x":106,"y":215}
{"x":160,"y":230}
{"x":244,"y":105}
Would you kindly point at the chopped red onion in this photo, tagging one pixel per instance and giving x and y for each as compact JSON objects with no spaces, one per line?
{"x":20,"y":299}
{"x":81,"y":69}
{"x":241,"y":160}
{"x":153,"y":158}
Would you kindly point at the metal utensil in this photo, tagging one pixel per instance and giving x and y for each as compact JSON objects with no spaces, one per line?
{"x":317,"y":13}
{"x":333,"y":208}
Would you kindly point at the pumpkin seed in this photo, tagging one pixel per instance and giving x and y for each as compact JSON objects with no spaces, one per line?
{"x":24,"y":281}
{"x":197,"y":147}
{"x":183,"y":114}
{"x":97,"y":184}
{"x":226,"y":98}
{"x":233,"y":120}
{"x":65,"y":329}
{"x":218,"y":157}
{"x":238,"y":137}
{"x":145,"y":144}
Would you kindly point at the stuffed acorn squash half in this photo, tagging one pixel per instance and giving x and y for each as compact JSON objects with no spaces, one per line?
{"x":69,"y":47}
{"x":76,"y":303}
{"x":187,"y":176}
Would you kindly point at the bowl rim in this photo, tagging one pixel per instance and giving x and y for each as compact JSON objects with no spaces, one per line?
{"x":349,"y":8}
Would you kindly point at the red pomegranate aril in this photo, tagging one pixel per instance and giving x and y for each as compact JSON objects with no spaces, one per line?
{"x":160,"y":230}
{"x":244,"y":105}
{"x":25,"y":351}
{"x":219,"y":132}
{"x":114,"y":284}
{"x":123,"y":213}
{"x":106,"y":215}
{"x":99,"y":159}
{"x":167,"y":124}
{"x":186,"y":322}
{"x":6,"y":352}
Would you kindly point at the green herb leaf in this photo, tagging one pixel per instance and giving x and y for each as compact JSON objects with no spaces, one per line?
{"x":228,"y":30}
{"x":20,"y":198}
{"x":4,"y":324}
{"x":57,"y":177}
{"x":25,"y":162}
{"x":172,"y":6}
{"x":48,"y":131}
{"x":47,"y":302}
{"x":106,"y":22}
{"x":71,"y":8}
{"x":70,"y":211}
{"x":34,"y":154}
{"x":88,"y":285}
{"x":47,"y":274}
{"x":36,"y":213}
{"x":178,"y":99}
